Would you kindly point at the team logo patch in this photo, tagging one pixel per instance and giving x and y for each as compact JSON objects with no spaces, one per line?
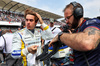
{"x":90,"y":22}
{"x":22,"y":33}
{"x":26,"y":44}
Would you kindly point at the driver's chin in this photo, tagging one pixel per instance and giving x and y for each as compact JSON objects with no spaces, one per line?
{"x":29,"y":28}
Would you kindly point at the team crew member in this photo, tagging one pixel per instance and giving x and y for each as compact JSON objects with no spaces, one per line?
{"x":54,"y":29}
{"x":86,"y":43}
{"x":27,"y":42}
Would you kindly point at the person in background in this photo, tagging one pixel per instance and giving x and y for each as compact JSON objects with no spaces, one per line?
{"x":27,"y":42}
{"x":0,"y":31}
{"x":54,"y":29}
{"x":6,"y":47}
{"x":22,"y":25}
{"x":86,"y":37}
{"x":19,"y":28}
{"x":2,"y":55}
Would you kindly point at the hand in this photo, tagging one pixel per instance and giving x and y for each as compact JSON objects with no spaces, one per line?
{"x":70,"y":31}
{"x":32,"y":49}
{"x":55,"y":39}
{"x":40,"y":19}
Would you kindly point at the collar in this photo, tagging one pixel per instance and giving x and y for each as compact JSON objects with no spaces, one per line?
{"x":32,"y":31}
{"x":80,"y":25}
{"x":82,"y":22}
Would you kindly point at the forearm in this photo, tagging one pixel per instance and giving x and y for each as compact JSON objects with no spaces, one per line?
{"x":47,"y":34}
{"x":24,"y":52}
{"x":19,"y":53}
{"x":40,"y":18}
{"x":41,"y":21}
{"x":77,"y":41}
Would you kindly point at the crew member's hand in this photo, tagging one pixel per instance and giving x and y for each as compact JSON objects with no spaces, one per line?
{"x":32,"y":49}
{"x":55,"y":39}
{"x":40,"y":19}
{"x":70,"y":31}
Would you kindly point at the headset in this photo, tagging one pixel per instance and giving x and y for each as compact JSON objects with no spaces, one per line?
{"x":78,"y":11}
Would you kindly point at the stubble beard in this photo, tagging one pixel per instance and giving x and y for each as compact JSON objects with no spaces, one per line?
{"x":75,"y":24}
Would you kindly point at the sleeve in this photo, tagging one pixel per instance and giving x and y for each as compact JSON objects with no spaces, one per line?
{"x":56,"y":31}
{"x":1,"y":43}
{"x":16,"y":46}
{"x":47,"y":34}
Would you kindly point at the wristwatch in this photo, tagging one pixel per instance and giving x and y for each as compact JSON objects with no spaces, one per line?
{"x":59,"y":34}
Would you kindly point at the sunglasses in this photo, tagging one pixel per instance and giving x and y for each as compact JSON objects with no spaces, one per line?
{"x":31,"y":20}
{"x":68,"y":17}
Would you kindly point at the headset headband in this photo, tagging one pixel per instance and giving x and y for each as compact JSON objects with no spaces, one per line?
{"x":78,"y":11}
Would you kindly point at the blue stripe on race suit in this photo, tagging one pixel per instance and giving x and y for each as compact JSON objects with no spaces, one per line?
{"x":16,"y":53}
{"x":51,"y":48}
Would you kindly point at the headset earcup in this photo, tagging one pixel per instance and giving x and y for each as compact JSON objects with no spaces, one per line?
{"x":78,"y":13}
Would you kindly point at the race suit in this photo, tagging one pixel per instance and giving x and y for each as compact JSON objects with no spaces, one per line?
{"x":25,"y":38}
